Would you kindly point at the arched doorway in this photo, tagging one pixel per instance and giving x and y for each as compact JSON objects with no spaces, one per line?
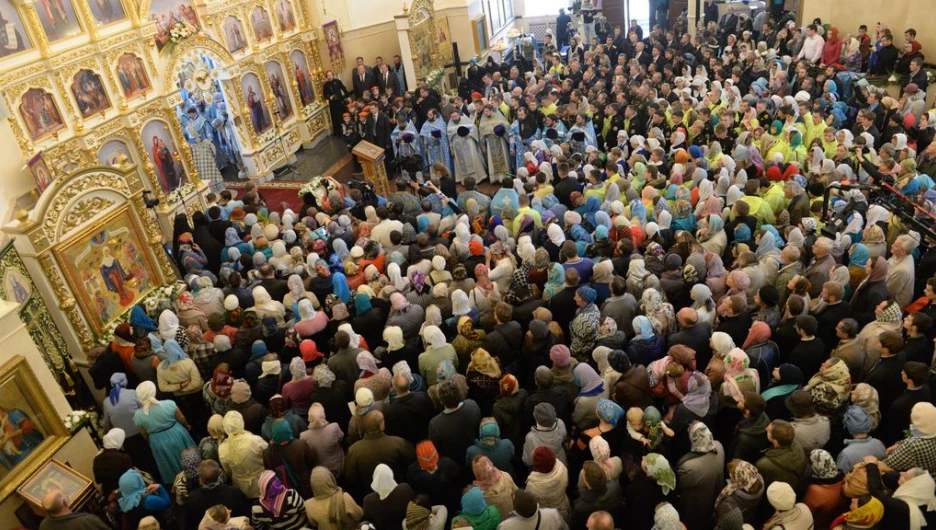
{"x":203,"y":110}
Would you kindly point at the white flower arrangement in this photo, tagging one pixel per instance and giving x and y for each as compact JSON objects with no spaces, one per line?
{"x":181,"y":192}
{"x":77,"y":419}
{"x":435,"y":77}
{"x":181,"y":31}
{"x":315,"y":186}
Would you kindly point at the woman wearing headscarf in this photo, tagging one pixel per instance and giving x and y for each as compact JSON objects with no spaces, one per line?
{"x":179,"y":376}
{"x":137,"y":500}
{"x":660,"y":313}
{"x":555,"y":281}
{"x":762,"y":352}
{"x":111,"y":462}
{"x":265,"y":306}
{"x":386,"y":506}
{"x":489,"y":444}
{"x":721,"y":343}
{"x":467,"y":340}
{"x":739,"y":377}
{"x":330,"y":508}
{"x":596,"y":493}
{"x":871,"y":291}
{"x":398,"y":349}
{"x":164,"y":426}
{"x":497,"y":486}
{"x":208,"y":446}
{"x":830,"y":389}
{"x":187,"y":480}
{"x":703,"y":303}
{"x":324,"y":438}
{"x":912,"y":496}
{"x":217,"y":391}
{"x":437,"y":351}
{"x":208,"y":298}
{"x":601,"y":455}
{"x":241,"y":455}
{"x":824,"y":496}
{"x":509,"y":410}
{"x":483,"y":377}
{"x":648,"y":489}
{"x":591,"y":391}
{"x":476,"y":512}
{"x":292,"y":460}
{"x":548,"y":481}
{"x":188,"y":314}
{"x":377,"y":380}
{"x":409,"y":317}
{"x":742,"y":495}
{"x":701,"y":477}
{"x":697,"y":403}
{"x":787,"y":378}
{"x":118,"y":410}
{"x":647,"y":345}
{"x":279,"y":507}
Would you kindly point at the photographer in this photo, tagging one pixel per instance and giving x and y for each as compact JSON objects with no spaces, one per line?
{"x":882,"y":174}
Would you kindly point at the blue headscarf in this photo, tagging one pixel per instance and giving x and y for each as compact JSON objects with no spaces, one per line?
{"x":767,"y":244}
{"x":601,"y":233}
{"x":362,"y":304}
{"x":340,"y":287}
{"x":257,"y":350}
{"x":422,"y":224}
{"x":715,"y":224}
{"x":174,"y":353}
{"x":643,"y":327}
{"x":859,"y":255}
{"x":778,"y":241}
{"x":118,"y":382}
{"x":602,"y":219}
{"x":609,"y":411}
{"x":638,"y":210}
{"x":132,"y":488}
{"x":139,"y":319}
{"x":580,"y":234}
{"x":742,"y":233}
{"x":231,"y":239}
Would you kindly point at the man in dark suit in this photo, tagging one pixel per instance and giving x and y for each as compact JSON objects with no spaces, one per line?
{"x":834,"y":312}
{"x":382,"y":128}
{"x":386,"y":79}
{"x":363,"y":80}
{"x":693,"y":334}
{"x":728,"y":24}
{"x":562,"y":23}
{"x":275,"y":286}
{"x":217,"y":226}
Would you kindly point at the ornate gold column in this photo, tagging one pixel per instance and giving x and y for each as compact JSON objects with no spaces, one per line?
{"x":38,"y":33}
{"x":154,"y":237}
{"x":66,"y":302}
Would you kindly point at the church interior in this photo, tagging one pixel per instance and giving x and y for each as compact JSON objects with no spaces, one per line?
{"x":121,"y":117}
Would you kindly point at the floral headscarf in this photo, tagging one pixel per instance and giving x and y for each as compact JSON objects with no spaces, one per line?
{"x":701,"y":438}
{"x":822,"y":464}
{"x":741,"y":476}
{"x":658,"y":468}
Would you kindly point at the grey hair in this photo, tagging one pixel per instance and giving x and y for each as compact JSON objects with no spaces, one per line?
{"x":825,"y":244}
{"x":907,"y":242}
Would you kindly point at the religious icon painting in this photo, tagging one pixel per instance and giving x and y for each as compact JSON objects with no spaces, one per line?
{"x":279,"y":84}
{"x":16,"y":286}
{"x":58,"y":19}
{"x":89,"y":93}
{"x":260,"y":22}
{"x":234,"y":35}
{"x":132,"y":76}
{"x":333,"y":40}
{"x":303,"y":79}
{"x":108,"y":267}
{"x":284,"y":15}
{"x":40,"y":172}
{"x":107,"y":11}
{"x":110,"y":154}
{"x":40,"y":113}
{"x":13,"y":36}
{"x":161,"y":148}
{"x":253,"y":96}
{"x":169,"y":13}
{"x":54,"y":475}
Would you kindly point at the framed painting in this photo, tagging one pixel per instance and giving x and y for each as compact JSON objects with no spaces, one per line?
{"x":168,"y":13}
{"x":40,"y":172}
{"x":284,"y":16}
{"x":234,"y":34}
{"x":26,"y":409}
{"x":107,"y":11}
{"x":443,"y":38}
{"x":58,"y":19}
{"x":110,"y":153}
{"x":108,"y":267}
{"x":260,"y":22}
{"x":253,"y":96}
{"x":479,"y":32}
{"x":278,"y":84}
{"x":40,"y":113}
{"x":303,"y":79}
{"x":89,"y":93}
{"x":163,"y":153}
{"x":13,"y":36}
{"x":132,"y":75}
{"x":54,"y":475}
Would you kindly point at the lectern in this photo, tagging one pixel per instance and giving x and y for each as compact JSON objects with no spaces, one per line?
{"x":371,"y":157}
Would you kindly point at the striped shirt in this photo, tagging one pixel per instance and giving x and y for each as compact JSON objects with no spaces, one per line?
{"x":291,"y":517}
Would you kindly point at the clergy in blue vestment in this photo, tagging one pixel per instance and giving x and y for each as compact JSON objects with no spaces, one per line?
{"x":466,"y":153}
{"x":435,"y":141}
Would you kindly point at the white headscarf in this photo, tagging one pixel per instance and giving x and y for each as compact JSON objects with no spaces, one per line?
{"x":460,"y":305}
{"x":355,"y":338}
{"x":146,"y":393}
{"x":383,"y":483}
{"x":168,"y":324}
{"x":433,"y":337}
{"x":114,"y":439}
{"x":396,"y":277}
{"x":555,"y":234}
{"x":394,"y":337}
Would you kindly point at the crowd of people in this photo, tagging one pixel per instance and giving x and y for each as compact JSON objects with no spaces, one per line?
{"x":650,"y":324}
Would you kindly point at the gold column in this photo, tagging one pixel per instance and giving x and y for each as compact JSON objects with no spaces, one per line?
{"x":38,"y":33}
{"x":154,"y":237}
{"x":90,"y":24}
{"x":66,"y":301}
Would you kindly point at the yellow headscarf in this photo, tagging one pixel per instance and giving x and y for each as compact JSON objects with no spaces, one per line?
{"x":481,"y":361}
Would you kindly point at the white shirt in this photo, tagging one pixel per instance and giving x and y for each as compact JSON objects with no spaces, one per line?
{"x":812,"y":49}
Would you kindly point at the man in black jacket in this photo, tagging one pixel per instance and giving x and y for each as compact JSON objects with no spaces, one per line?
{"x":693,"y":334}
{"x":834,"y":312}
{"x":506,"y":339}
{"x":733,"y":319}
{"x":217,"y":226}
{"x":409,"y":414}
{"x":213,"y":491}
{"x":362,"y":80}
{"x":750,"y":436}
{"x":562,"y":23}
{"x":886,"y":57}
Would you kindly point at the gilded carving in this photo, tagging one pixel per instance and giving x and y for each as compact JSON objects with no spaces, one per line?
{"x":66,"y":301}
{"x":74,"y":188}
{"x":84,"y":211}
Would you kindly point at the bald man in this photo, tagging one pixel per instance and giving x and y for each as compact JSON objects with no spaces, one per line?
{"x":60,"y":516}
{"x":600,"y":520}
{"x":693,"y":334}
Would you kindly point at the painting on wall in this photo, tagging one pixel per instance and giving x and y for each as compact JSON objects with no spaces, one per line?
{"x":16,"y":286}
{"x":253,"y":95}
{"x":479,"y":32}
{"x":260,"y":22}
{"x":303,"y":79}
{"x":278,"y":84}
{"x":40,"y":172}
{"x":284,"y":15}
{"x":29,"y":424}
{"x":58,"y":19}
{"x":443,"y":38}
{"x":168,"y":13}
{"x":422,"y":43}
{"x":132,"y":76}
{"x":333,"y":40}
{"x":13,"y":36}
{"x":234,"y":35}
{"x":107,"y":268}
{"x":161,"y":148}
{"x":107,"y":11}
{"x":89,"y":93}
{"x":110,"y":153}
{"x":40,"y":113}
